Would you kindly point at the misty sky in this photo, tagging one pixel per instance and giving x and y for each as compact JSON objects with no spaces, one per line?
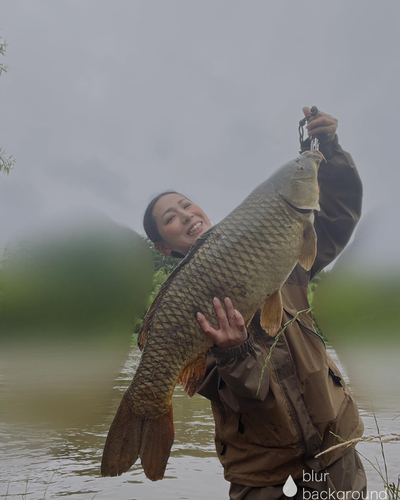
{"x":107,"y":103}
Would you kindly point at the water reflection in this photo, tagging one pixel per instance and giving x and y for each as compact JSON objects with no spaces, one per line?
{"x":65,"y":460}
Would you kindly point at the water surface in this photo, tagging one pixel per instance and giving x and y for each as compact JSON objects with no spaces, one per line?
{"x":39,"y":460}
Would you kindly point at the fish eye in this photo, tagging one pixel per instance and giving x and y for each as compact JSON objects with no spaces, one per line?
{"x":301,"y":168}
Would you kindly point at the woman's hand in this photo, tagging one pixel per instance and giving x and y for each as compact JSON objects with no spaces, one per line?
{"x":321,"y":123}
{"x":232,"y":330}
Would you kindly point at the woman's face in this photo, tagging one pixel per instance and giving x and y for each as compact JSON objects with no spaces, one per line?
{"x":179,"y":222}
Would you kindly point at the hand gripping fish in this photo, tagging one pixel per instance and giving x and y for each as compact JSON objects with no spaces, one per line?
{"x":247,"y":256}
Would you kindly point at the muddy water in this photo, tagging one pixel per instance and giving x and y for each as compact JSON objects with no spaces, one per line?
{"x":41,"y":461}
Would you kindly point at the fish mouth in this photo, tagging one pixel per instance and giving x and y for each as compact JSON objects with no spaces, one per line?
{"x":319,"y":157}
{"x":195,"y":227}
{"x":303,"y":211}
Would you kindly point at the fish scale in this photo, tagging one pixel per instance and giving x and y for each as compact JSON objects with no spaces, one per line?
{"x":247,"y":257}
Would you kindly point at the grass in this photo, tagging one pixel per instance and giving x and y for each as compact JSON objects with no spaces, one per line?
{"x":392,"y":488}
{"x":24,"y":495}
{"x":275,"y":342}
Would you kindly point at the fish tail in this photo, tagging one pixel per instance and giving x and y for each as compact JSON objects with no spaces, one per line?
{"x":157,"y":439}
{"x":131,"y":436}
{"x":123,"y":441}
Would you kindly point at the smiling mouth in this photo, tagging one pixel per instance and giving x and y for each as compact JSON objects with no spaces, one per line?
{"x":194,"y":228}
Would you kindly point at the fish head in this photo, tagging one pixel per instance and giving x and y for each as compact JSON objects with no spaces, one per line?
{"x":297,"y":182}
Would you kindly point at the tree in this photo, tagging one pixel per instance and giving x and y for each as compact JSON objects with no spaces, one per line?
{"x":6,"y":163}
{"x":163,"y":267}
{"x":162,"y":261}
{"x":82,"y":280}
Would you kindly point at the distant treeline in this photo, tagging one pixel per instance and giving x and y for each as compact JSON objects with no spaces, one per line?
{"x":87,"y":278}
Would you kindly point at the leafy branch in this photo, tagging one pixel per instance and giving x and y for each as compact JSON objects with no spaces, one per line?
{"x":6,"y":163}
{"x":3,"y":47}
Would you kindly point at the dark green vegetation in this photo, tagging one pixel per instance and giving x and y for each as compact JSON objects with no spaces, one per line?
{"x":163,"y":267}
{"x":312,"y":287}
{"x":360,"y":305}
{"x":94,"y":278}
{"x":80,"y":279}
{"x":69,"y":296}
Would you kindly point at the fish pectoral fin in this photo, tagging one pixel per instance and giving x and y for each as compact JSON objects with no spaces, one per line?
{"x":250,"y":320}
{"x":192,"y":375}
{"x":308,"y":250}
{"x":271,"y":314}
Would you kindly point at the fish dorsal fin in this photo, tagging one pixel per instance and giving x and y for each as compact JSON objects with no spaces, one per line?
{"x":308,"y":250}
{"x":142,"y":337}
{"x":271,"y":314}
{"x":192,"y":374}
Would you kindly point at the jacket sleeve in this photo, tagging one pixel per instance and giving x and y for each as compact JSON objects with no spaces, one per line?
{"x":340,"y":201}
{"x":234,"y":375}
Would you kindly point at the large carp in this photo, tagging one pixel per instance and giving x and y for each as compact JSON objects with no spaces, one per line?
{"x":247,"y":257}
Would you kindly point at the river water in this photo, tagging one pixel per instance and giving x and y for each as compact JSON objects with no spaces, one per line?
{"x":40,"y":460}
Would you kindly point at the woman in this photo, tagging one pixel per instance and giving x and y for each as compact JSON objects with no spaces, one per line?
{"x":266,"y":434}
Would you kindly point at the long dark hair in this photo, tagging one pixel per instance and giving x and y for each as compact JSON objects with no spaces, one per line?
{"x":150,"y":223}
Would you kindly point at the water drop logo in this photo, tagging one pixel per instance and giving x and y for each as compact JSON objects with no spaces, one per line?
{"x":290,"y":488}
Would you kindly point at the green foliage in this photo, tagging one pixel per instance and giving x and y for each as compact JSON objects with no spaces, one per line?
{"x":159,"y":277}
{"x":6,"y":163}
{"x":163,"y":267}
{"x":94,"y":279}
{"x":312,"y":286}
{"x":162,"y":261}
{"x":360,"y":305}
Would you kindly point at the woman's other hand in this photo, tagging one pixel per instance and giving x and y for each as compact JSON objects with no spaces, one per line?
{"x":321,"y":123}
{"x":232,"y":330}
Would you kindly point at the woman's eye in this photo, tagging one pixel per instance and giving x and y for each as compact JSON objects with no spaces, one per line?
{"x":169,"y":219}
{"x":187,"y":205}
